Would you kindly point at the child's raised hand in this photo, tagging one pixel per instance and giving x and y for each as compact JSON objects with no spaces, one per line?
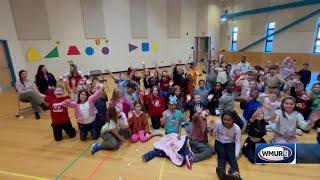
{"x":130,"y":115}
{"x":170,"y":82}
{"x":188,"y":97}
{"x":315,"y":116}
{"x":198,"y":108}
{"x":210,"y":96}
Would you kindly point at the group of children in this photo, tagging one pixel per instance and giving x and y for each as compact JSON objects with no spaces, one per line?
{"x":273,"y":98}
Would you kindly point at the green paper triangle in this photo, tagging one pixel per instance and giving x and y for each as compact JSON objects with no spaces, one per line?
{"x":53,"y":53}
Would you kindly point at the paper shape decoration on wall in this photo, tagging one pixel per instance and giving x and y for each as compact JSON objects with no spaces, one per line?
{"x":73,"y":50}
{"x":105,"y":50}
{"x":154,"y":47}
{"x":107,"y":40}
{"x":89,"y":51}
{"x":33,"y":55}
{"x":53,"y":53}
{"x":145,"y":47}
{"x":132,"y":47}
{"x":97,"y":42}
{"x":58,"y":42}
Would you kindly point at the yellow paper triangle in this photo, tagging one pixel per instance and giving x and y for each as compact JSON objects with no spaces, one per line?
{"x":33,"y":55}
{"x":154,"y":47}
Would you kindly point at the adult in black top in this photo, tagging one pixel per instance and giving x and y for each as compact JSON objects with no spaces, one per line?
{"x":45,"y":81}
{"x":305,"y":74}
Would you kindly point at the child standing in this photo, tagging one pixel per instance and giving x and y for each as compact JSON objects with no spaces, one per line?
{"x":85,"y":112}
{"x":111,"y":132}
{"x":227,"y":145}
{"x":199,"y":136}
{"x":155,"y":106}
{"x":59,"y":114}
{"x":138,"y":125}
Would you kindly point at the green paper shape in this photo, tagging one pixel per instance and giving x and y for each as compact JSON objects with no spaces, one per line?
{"x":53,"y":53}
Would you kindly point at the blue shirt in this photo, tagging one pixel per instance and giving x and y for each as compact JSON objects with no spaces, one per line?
{"x":122,"y":83}
{"x":203,"y":92}
{"x":250,"y":107}
{"x":173,"y":122}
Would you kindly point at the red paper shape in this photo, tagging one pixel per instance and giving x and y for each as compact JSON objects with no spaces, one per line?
{"x":73,"y":50}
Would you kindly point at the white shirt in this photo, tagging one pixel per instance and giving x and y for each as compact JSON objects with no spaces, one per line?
{"x":244,"y":67}
{"x":87,"y":118}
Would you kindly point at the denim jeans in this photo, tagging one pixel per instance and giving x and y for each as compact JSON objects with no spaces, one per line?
{"x":226,"y":153}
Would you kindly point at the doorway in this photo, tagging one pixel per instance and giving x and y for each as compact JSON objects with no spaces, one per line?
{"x":201,"y":50}
{"x":7,"y":75}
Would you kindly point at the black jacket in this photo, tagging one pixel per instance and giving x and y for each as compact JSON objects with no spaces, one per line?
{"x":43,"y":83}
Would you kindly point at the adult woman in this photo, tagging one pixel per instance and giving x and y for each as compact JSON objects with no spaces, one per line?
{"x":29,"y":93}
{"x":45,"y":81}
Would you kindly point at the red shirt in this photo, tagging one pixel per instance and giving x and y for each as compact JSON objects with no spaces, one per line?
{"x":164,"y":84}
{"x":59,"y":114}
{"x":156,"y":105}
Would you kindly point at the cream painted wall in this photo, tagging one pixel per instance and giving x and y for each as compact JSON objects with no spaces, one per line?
{"x":8,"y":32}
{"x":66,"y":26}
{"x":299,"y":39}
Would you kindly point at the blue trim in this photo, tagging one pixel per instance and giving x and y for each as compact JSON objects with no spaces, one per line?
{"x":296,"y":22}
{"x":10,"y":65}
{"x":271,"y":8}
{"x":316,"y":36}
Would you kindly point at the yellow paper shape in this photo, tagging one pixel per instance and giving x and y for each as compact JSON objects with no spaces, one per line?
{"x":154,"y":47}
{"x":33,"y":55}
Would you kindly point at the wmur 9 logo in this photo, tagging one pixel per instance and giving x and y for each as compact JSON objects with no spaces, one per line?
{"x":276,"y":153}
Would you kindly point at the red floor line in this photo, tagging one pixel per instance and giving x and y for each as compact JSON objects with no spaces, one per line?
{"x":95,"y":170}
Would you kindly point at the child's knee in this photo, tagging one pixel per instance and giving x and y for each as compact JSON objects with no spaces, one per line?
{"x":135,"y":138}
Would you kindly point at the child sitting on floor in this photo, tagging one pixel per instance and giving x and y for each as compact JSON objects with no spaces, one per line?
{"x":256,"y":131}
{"x":172,"y":119}
{"x":112,"y":133}
{"x":199,"y":135}
{"x":139,"y":126}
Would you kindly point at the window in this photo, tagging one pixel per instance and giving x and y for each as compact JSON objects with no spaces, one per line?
{"x":316,"y":48}
{"x":270,"y":29}
{"x":234,"y":38}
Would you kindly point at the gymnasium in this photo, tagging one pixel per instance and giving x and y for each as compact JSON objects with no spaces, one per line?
{"x":159,"y":89}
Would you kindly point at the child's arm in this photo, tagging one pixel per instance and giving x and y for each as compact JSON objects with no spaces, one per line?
{"x":165,"y":116}
{"x":237,"y":142}
{"x":304,"y":125}
{"x":112,"y":76}
{"x":68,"y":103}
{"x":116,"y":134}
{"x":93,"y":98}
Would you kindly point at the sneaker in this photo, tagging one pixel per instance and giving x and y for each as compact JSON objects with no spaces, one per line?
{"x":143,"y":158}
{"x":299,"y":132}
{"x":220,"y":173}
{"x":189,"y":161}
{"x":189,"y":158}
{"x":37,"y":116}
{"x":157,"y":133}
{"x":94,"y":148}
{"x":44,"y":107}
{"x":233,"y":174}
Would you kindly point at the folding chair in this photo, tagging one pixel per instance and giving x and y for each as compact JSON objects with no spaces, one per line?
{"x":98,"y":73}
{"x":22,"y":106}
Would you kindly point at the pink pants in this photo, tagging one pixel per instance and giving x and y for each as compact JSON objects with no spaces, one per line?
{"x":141,"y":135}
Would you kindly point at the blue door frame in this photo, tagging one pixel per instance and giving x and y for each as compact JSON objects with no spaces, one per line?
{"x":10,"y":65}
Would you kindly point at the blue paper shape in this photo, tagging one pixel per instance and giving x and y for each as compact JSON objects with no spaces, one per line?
{"x":89,"y":51}
{"x":145,"y":47}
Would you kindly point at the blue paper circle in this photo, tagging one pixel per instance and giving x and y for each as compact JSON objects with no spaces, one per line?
{"x":89,"y":51}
